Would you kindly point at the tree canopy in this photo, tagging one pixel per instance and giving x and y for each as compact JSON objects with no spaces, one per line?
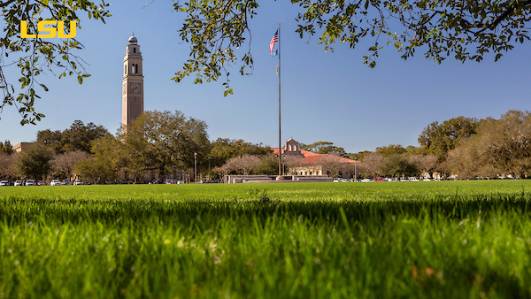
{"x":392,"y":149}
{"x":324,"y":147}
{"x":218,"y":35}
{"x":160,"y":146}
{"x":78,"y":137}
{"x":500,"y":147}
{"x":155,"y":146}
{"x":6,"y":147}
{"x":35,"y":163}
{"x":34,"y":56}
{"x":223,"y":149}
{"x":439,"y":138}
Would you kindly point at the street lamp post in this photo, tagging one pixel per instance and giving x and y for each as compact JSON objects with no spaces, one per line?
{"x":209,"y":170}
{"x":195,"y":167}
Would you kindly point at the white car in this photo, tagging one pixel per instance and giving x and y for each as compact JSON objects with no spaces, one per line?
{"x":340,"y":180}
{"x":19,"y":183}
{"x":31,"y":183}
{"x":4,"y":183}
{"x":56,"y":183}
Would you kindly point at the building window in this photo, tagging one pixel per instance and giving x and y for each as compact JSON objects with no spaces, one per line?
{"x":134,"y":70}
{"x":134,"y":50}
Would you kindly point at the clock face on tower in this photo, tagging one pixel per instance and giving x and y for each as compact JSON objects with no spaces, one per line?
{"x":135,"y":88}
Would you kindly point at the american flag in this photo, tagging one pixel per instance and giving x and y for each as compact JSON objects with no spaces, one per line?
{"x":273,"y":42}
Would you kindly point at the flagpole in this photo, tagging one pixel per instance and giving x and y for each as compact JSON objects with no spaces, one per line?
{"x":280,"y":170}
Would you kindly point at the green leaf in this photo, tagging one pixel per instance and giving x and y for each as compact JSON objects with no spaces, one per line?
{"x":228,"y":91}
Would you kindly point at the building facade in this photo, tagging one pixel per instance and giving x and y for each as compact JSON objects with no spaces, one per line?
{"x":23,"y":146}
{"x":301,"y":162}
{"x":132,"y":83}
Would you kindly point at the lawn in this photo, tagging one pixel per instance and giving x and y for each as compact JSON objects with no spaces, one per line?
{"x":300,"y":240}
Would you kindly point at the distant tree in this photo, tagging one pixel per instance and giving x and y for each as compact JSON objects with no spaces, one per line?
{"x":6,"y":147}
{"x":359,"y":155}
{"x":156,"y":145}
{"x":332,"y":167}
{"x":398,"y":165}
{"x":294,"y":161}
{"x":52,"y":139}
{"x":416,"y":150}
{"x":324,"y":147}
{"x":224,"y":149}
{"x":93,"y":171}
{"x":245,"y":165}
{"x":63,"y":165}
{"x":142,"y":156}
{"x":165,"y":142}
{"x":390,"y":161}
{"x":78,"y":137}
{"x":7,"y":166}
{"x":423,"y":163}
{"x":107,"y":164}
{"x":372,"y":165}
{"x":511,"y":149}
{"x":470,"y":159}
{"x":268,"y":165}
{"x":35,"y":162}
{"x":392,"y":149}
{"x":500,"y":147}
{"x":439,"y":138}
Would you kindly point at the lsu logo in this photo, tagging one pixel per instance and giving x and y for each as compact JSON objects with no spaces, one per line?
{"x":49,"y":29}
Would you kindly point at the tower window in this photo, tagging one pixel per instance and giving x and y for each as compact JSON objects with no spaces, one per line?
{"x":134,"y":69}
{"x":134,"y":50}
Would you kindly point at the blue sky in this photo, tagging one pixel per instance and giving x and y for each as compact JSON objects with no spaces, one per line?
{"x":327,"y":96}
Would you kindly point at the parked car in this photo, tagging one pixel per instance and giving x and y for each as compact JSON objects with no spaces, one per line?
{"x":56,"y":183}
{"x":31,"y":183}
{"x":78,"y":183}
{"x":340,"y":180}
{"x":5,"y":183}
{"x":19,"y":183}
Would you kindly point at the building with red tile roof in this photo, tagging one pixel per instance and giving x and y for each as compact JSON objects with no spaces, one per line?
{"x":307,"y":163}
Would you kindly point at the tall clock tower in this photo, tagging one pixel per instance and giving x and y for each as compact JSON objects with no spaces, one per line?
{"x":132,"y":83}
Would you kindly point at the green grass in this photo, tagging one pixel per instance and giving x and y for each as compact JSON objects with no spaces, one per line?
{"x":337,"y":240}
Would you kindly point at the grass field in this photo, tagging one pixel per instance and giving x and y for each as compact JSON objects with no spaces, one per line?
{"x":336,"y":240}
